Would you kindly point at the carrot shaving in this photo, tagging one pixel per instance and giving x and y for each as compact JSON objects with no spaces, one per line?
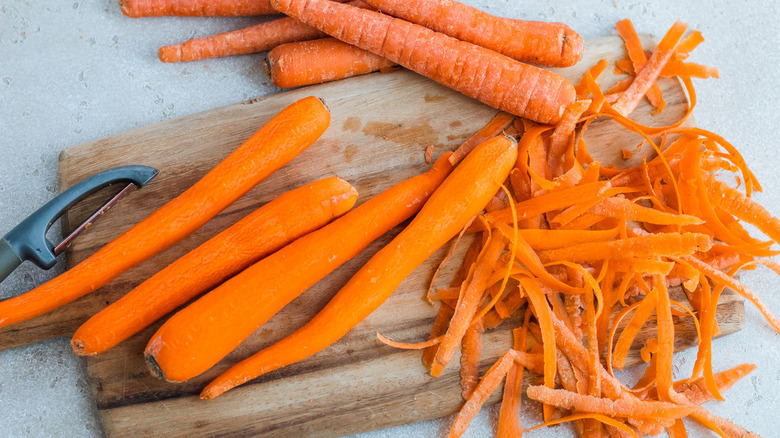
{"x":602,"y":418}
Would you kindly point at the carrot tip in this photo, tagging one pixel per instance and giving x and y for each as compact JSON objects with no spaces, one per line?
{"x":79,"y":348}
{"x":155,"y":369}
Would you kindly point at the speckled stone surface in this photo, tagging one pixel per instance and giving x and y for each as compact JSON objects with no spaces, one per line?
{"x":76,"y":71}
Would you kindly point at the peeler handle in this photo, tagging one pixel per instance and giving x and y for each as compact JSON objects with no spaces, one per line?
{"x":8,"y":259}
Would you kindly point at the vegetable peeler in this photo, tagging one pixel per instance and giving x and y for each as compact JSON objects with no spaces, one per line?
{"x":27,"y":241}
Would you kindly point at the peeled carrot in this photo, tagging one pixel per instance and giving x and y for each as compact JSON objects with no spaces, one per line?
{"x":535,"y":42}
{"x":461,"y":196}
{"x":258,"y":38}
{"x":281,"y":139}
{"x":323,"y":60}
{"x":197,"y":337}
{"x":489,"y":77}
{"x":195,"y":8}
{"x":267,"y":229}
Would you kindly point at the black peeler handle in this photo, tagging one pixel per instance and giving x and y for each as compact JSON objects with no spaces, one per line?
{"x":27,"y":241}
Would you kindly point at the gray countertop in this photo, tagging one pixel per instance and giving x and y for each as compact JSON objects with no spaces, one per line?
{"x":76,"y":71}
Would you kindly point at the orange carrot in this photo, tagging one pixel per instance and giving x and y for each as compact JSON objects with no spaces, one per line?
{"x":267,"y":229}
{"x":461,"y":196}
{"x":285,"y":136}
{"x":471,"y":294}
{"x":204,"y":332}
{"x":489,"y":77}
{"x":258,"y":38}
{"x":545,"y":44}
{"x":665,"y":244}
{"x":645,"y":78}
{"x":624,"y":407}
{"x":195,"y":8}
{"x":323,"y":60}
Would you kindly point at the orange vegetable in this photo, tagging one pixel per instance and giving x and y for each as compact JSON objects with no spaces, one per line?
{"x":281,"y":139}
{"x":262,"y":232}
{"x":195,"y":8}
{"x":258,"y":38}
{"x":491,"y":78}
{"x":461,"y":196}
{"x":197,"y":337}
{"x":470,"y":353}
{"x":545,"y":44}
{"x":312,"y":62}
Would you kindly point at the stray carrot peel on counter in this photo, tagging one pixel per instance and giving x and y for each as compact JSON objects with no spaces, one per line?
{"x":591,"y":241}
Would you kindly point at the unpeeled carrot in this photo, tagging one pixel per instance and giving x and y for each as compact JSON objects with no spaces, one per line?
{"x":461,"y":196}
{"x":281,"y":139}
{"x":258,"y":38}
{"x":204,"y":332}
{"x":323,"y":60}
{"x":489,"y":77}
{"x":264,"y":231}
{"x":195,"y":8}
{"x":535,"y":42}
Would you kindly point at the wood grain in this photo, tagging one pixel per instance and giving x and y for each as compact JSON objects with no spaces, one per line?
{"x":381,"y":126}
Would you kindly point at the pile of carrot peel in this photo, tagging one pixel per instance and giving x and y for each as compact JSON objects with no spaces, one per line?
{"x":580,"y":256}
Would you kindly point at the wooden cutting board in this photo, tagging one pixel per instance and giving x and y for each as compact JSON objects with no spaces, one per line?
{"x":381,"y":126}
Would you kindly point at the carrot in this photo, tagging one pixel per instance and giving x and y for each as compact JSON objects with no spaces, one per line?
{"x":312,"y":62}
{"x":285,"y":136}
{"x":645,"y":78}
{"x":624,"y":407}
{"x":471,"y":294}
{"x":489,"y":77}
{"x":204,"y":332}
{"x":258,"y":38}
{"x":267,"y":229}
{"x":195,"y":8}
{"x":535,"y":42}
{"x":462,"y":195}
{"x":541,"y":240}
{"x":665,"y":244}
